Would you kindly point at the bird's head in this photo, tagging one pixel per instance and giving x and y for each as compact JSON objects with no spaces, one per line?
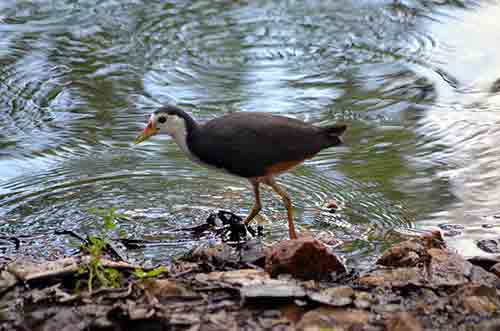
{"x":169,"y":119}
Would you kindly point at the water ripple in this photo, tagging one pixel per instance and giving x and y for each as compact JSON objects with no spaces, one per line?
{"x":79,"y":78}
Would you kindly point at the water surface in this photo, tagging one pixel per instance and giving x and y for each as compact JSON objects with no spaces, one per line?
{"x":415,"y":80}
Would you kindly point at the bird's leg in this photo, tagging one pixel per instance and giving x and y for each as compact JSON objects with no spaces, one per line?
{"x":288,"y":204}
{"x":257,"y":205}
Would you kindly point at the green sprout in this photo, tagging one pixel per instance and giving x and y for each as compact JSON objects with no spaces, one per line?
{"x":95,"y":247}
{"x":141,"y":274}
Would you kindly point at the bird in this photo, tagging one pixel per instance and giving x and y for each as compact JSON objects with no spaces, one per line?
{"x":257,"y":146}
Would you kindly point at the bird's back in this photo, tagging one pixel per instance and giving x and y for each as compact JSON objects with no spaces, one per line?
{"x":251,"y":144}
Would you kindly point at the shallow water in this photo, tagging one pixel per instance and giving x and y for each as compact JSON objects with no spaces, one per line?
{"x":415,"y":80}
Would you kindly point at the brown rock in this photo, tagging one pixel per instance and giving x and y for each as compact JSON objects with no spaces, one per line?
{"x":292,"y":312}
{"x":487,"y":325}
{"x":495,"y":269}
{"x":403,"y":322}
{"x":304,"y":258}
{"x":405,"y":254}
{"x":479,"y":305}
{"x":412,"y":252}
{"x":450,"y":269}
{"x":398,"y":277}
{"x":434,"y":239}
{"x":334,"y":319}
{"x":432,"y":267}
{"x":165,"y":288}
{"x":334,"y":296}
{"x":332,"y":205}
{"x":363,"y":300}
{"x":477,"y":299}
{"x":447,"y":268}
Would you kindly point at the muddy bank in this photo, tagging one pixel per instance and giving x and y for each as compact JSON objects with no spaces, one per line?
{"x":417,"y":284}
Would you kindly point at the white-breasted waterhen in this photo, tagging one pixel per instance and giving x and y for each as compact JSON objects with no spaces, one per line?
{"x":256,"y":146}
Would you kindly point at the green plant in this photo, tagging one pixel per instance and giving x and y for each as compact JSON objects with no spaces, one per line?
{"x":141,"y":274}
{"x":95,"y":247}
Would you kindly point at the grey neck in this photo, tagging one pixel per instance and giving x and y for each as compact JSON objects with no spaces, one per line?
{"x":191,"y":123}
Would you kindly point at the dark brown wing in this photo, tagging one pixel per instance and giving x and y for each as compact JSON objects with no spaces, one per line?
{"x":246,"y":144}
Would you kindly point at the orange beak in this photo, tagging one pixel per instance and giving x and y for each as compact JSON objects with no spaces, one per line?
{"x":149,"y":131}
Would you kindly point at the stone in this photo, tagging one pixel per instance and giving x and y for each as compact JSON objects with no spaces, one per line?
{"x":487,"y":325}
{"x":424,"y":261}
{"x":495,"y":269}
{"x":480,"y":276}
{"x":161,"y":288}
{"x":254,"y":284}
{"x":477,"y":299}
{"x":450,"y":269}
{"x":443,"y":268}
{"x":332,"y":205}
{"x":406,"y":254}
{"x":235,"y":277}
{"x":489,"y":245}
{"x":304,"y":258}
{"x":412,"y":252}
{"x":327,"y":238}
{"x":387,"y":308}
{"x":7,"y":280}
{"x":451,"y":226}
{"x":484,"y":262}
{"x":251,"y":252}
{"x":451,"y":230}
{"x":452,"y":233}
{"x":214,"y":254}
{"x":403,"y":322}
{"x":292,"y":312}
{"x":273,"y":288}
{"x":363,"y":300}
{"x":434,"y":239}
{"x":398,"y":277}
{"x":479,"y":305}
{"x":330,"y":318}
{"x":334,"y":296}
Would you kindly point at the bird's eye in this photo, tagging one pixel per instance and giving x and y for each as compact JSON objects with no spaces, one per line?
{"x":162,"y":119}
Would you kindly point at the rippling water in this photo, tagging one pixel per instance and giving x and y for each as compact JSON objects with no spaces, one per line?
{"x":415,"y":80}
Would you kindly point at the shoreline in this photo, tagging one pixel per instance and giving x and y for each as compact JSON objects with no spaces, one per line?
{"x":417,"y":284}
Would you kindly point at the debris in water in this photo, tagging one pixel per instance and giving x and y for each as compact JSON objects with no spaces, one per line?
{"x":228,"y":226}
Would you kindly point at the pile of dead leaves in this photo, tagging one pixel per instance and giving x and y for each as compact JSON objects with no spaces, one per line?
{"x":416,"y":285}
